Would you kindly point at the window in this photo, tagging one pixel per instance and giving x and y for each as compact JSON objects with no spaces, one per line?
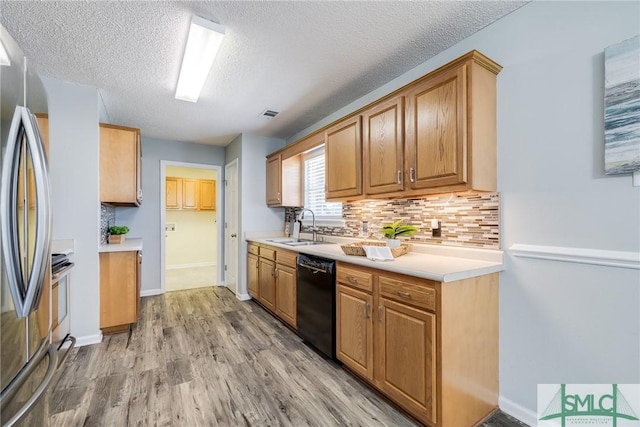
{"x":326,"y":213}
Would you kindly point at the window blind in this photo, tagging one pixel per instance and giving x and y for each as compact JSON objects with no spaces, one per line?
{"x":314,"y":187}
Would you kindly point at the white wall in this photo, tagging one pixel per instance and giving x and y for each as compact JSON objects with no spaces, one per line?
{"x":559,"y":322}
{"x":144,"y":221}
{"x":255,"y":216}
{"x":74,"y":170}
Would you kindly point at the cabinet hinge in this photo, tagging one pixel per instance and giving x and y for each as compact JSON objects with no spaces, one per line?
{"x":226,"y":182}
{"x":225,"y":267}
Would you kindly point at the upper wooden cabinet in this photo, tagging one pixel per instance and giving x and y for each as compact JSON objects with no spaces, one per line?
{"x":120,"y":165}
{"x":383,"y":146}
{"x":434,"y":135}
{"x":207,"y":190}
{"x":190,"y":194}
{"x":451,"y":128}
{"x":274,"y":183}
{"x":173,"y":193}
{"x":343,"y":160}
{"x":284,"y":181}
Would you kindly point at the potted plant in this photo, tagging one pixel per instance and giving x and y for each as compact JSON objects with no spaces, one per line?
{"x":116,"y":233}
{"x":393,"y":231}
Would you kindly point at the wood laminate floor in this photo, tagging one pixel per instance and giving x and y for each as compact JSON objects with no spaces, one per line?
{"x":203,"y":358}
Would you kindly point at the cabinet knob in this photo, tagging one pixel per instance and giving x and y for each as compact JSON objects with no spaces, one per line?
{"x":352,"y":279}
{"x":234,"y":235}
{"x":379,"y":313}
{"x":399,"y":179}
{"x":412,"y":175}
{"x":367,"y":306}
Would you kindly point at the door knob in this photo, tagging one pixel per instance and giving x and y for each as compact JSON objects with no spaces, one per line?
{"x":234,"y":235}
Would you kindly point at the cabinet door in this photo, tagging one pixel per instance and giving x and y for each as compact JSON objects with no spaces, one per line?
{"x":343,"y":157}
{"x":437,"y":130}
{"x":189,"y":193}
{"x":274,"y":184}
{"x":286,"y":294}
{"x":406,"y":357}
{"x":354,"y":330}
{"x":173,"y":193}
{"x":383,"y":147}
{"x":253,"y":286}
{"x":207,"y":201}
{"x":267,"y":283}
{"x":120,"y":165}
{"x":118,"y":288}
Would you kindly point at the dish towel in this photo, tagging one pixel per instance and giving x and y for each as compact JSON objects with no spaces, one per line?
{"x":378,"y":253}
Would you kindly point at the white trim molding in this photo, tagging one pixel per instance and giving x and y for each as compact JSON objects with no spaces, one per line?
{"x":193,"y":265}
{"x":605,"y":258}
{"x":151,"y":292}
{"x":243,"y":297}
{"x":89,"y":339}
{"x":519,"y":412}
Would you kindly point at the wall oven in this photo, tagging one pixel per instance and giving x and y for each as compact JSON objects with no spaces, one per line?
{"x":60,"y":282}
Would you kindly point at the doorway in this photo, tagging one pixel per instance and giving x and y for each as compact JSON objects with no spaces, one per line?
{"x":191,"y":229}
{"x":231,"y":226}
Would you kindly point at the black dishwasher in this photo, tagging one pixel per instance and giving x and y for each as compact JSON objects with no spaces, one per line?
{"x":316,"y":306}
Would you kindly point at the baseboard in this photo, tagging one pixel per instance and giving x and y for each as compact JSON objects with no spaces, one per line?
{"x":195,"y":264}
{"x":519,"y":412}
{"x":89,"y":339}
{"x":243,"y":297}
{"x":151,"y":292}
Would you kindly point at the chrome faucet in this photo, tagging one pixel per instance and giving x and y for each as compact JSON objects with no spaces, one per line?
{"x":313,"y":226}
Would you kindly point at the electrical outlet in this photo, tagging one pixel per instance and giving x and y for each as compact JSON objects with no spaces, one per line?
{"x":170,"y":227}
{"x":365,"y":227}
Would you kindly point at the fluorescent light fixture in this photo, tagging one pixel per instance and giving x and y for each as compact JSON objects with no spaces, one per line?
{"x":203,"y":43}
{"x":4,"y":56}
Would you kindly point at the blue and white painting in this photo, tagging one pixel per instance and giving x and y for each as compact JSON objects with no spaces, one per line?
{"x":622,"y":107}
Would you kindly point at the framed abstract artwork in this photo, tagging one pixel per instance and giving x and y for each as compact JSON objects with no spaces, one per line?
{"x":622,"y":107}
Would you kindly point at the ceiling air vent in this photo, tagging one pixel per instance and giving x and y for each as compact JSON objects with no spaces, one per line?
{"x":269,"y":114}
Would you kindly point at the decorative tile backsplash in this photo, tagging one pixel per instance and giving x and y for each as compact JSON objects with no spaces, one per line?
{"x":466,"y":219}
{"x":107,"y":219}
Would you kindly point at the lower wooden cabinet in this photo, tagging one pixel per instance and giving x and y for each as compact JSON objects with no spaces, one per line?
{"x":354,"y":336}
{"x":267,"y":280}
{"x":271,"y":280}
{"x":406,"y":356}
{"x":286,"y":292}
{"x":253,"y":286}
{"x":430,"y":347}
{"x":120,"y":274}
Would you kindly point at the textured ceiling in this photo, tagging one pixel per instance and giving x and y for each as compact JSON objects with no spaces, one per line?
{"x":304,"y":59}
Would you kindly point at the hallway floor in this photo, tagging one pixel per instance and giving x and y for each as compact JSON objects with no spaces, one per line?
{"x":203,"y":358}
{"x":180,"y":279}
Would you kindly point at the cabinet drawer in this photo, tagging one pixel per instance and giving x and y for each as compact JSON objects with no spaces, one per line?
{"x":287,"y":258}
{"x":355,"y":278}
{"x":420,"y":296}
{"x":267,"y":253}
{"x":253,"y":249}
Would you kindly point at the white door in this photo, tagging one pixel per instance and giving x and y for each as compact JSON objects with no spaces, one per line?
{"x":231,"y":226}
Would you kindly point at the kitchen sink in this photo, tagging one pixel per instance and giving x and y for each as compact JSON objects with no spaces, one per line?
{"x":294,"y":242}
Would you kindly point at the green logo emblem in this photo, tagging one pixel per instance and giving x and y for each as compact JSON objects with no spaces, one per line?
{"x":585,"y":405}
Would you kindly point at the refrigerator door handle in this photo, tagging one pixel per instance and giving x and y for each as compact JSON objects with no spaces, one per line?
{"x":25,"y":291}
{"x":40,"y":391}
{"x":43,"y":208}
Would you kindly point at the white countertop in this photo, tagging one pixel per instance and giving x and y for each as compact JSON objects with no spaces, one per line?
{"x":439,"y":263}
{"x":130,"y":244}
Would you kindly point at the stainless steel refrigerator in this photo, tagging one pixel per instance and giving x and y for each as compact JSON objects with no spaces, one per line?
{"x":28,"y":359}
